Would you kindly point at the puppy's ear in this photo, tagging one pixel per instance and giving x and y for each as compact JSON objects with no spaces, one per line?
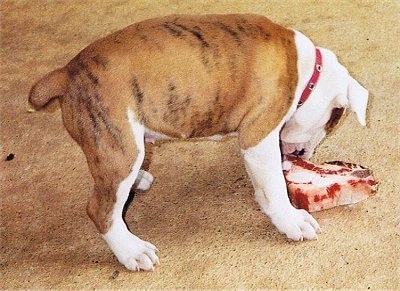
{"x":358,"y":100}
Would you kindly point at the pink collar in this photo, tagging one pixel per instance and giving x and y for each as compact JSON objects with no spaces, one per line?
{"x":314,"y":78}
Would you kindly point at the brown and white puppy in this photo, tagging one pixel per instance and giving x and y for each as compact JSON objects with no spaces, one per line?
{"x":196,"y":76}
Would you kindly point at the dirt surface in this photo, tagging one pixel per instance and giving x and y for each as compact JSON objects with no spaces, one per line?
{"x":200,"y":212}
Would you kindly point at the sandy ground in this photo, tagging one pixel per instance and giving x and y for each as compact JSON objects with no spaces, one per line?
{"x":200,"y":211}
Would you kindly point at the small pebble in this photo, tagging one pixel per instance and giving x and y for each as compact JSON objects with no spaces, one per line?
{"x":10,"y":157}
{"x":115,"y":274}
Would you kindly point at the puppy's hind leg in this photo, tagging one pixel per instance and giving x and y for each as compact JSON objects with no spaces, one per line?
{"x":114,"y":176}
{"x":143,"y":181}
{"x":145,"y":178}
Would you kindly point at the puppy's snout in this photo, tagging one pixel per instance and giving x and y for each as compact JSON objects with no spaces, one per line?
{"x":298,"y":153}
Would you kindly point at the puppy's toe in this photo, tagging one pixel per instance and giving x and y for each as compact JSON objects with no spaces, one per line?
{"x":297,"y":224}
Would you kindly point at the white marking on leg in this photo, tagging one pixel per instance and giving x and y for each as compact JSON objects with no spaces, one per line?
{"x":131,"y":251}
{"x":143,"y":181}
{"x":263,"y":164}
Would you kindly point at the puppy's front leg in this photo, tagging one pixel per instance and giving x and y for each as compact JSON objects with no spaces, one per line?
{"x":263,"y":164}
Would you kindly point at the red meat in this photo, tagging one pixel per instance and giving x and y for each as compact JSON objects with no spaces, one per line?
{"x":318,"y":187}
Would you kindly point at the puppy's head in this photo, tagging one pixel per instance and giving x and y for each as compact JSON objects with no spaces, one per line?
{"x":335,"y":91}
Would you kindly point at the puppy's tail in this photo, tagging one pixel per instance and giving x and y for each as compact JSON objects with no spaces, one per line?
{"x":49,"y":89}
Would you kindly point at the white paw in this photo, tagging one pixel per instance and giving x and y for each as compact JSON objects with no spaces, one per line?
{"x":141,"y":257}
{"x":135,"y":254}
{"x":143,"y":181}
{"x":297,"y":224}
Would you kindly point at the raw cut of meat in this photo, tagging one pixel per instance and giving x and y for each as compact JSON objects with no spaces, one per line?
{"x":318,"y":187}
